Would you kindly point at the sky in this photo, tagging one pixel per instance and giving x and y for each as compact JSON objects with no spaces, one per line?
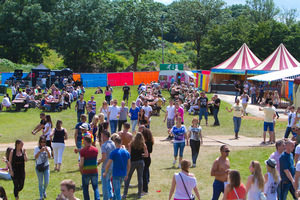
{"x":287,"y":4}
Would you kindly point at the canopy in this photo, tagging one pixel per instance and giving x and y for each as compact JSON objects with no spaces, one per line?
{"x":243,"y":59}
{"x":280,"y":59}
{"x":41,"y":67}
{"x":278,"y":75}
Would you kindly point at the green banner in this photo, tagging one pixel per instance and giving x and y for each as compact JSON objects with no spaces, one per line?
{"x":171,"y":66}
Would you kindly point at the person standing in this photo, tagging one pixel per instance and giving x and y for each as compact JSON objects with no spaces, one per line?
{"x":106,"y":148}
{"x":272,"y":180}
{"x":261,"y":93}
{"x":93,"y":103}
{"x":134,"y":115}
{"x":41,"y":125}
{"x":104,"y":109}
{"x":245,"y":99}
{"x":42,"y":153}
{"x":216,"y":103}
{"x":237,"y":117}
{"x":80,"y":107}
{"x":148,"y":110}
{"x":13,"y":91}
{"x":170,"y":116}
{"x":127,"y":92}
{"x":123,"y":110}
{"x":237,"y":89}
{"x":195,"y":136}
{"x":290,"y":112}
{"x":280,"y":147}
{"x":125,"y":135}
{"x":287,"y":171}
{"x":179,"y":133}
{"x":184,"y":182}
{"x":113,"y":115}
{"x":88,"y":168}
{"x":203,"y":106}
{"x":270,"y":115}
{"x":107,"y":93}
{"x":255,"y":182}
{"x":138,"y":150}
{"x":78,"y":132}
{"x":17,"y":159}
{"x":121,"y":166}
{"x":219,"y":170}
{"x":179,"y":112}
{"x":234,"y":189}
{"x":91,"y":113}
{"x":60,"y":135}
{"x":47,"y":131}
{"x":253,"y":93}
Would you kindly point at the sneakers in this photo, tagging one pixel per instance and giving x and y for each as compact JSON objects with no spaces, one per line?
{"x":174,"y":162}
{"x":45,"y":195}
{"x":194,"y":165}
{"x":123,"y":196}
{"x":179,"y":166}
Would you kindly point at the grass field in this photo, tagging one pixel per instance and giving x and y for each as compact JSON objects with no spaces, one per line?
{"x":20,"y":124}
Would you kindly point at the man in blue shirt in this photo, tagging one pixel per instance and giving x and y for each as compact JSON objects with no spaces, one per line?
{"x":121,"y":166}
{"x":287,"y":171}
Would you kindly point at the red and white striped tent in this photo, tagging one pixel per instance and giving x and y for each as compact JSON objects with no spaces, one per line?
{"x":280,"y":59}
{"x":243,"y":59}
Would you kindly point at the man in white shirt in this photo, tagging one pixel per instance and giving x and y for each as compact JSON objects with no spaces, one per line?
{"x":148,"y":110}
{"x":19,"y":95}
{"x":280,"y":147}
{"x":13,"y":91}
{"x":270,"y":115}
{"x":170,"y":115}
{"x":5,"y":102}
{"x":113,"y":116}
{"x":290,"y":112}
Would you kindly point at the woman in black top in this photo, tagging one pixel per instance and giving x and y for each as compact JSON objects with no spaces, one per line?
{"x":149,"y":141}
{"x":138,"y":150}
{"x":58,"y":143}
{"x":17,"y":159}
{"x":143,"y":119}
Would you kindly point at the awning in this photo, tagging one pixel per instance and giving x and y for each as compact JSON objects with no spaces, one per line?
{"x":190,"y":74}
{"x":278,"y":75}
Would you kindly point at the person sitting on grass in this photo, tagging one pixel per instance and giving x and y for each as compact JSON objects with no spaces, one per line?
{"x":4,"y":172}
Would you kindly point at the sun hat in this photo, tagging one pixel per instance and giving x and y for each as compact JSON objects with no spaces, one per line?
{"x":84,"y":126}
{"x":271,"y":162}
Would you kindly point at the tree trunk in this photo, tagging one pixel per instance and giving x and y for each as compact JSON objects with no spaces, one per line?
{"x":198,"y":54}
{"x":135,"y":61}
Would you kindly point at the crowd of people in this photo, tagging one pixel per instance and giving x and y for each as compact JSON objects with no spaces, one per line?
{"x":126,"y":146}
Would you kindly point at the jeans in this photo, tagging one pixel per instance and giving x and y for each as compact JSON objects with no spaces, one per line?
{"x":285,"y":188}
{"x":117,"y":182}
{"x":120,"y":124}
{"x":58,"y":150}
{"x":216,"y":111}
{"x":106,"y":185}
{"x":5,"y":175}
{"x":133,"y":124}
{"x":218,"y":187}
{"x":203,"y":111}
{"x":237,"y":124}
{"x":236,"y":95}
{"x":78,"y":145}
{"x":46,"y":176}
{"x":195,"y":146}
{"x":253,"y":98}
{"x":79,"y":113}
{"x":86,"y":178}
{"x":177,"y":146}
{"x":288,"y":131}
{"x":107,"y":99}
{"x":146,"y":171}
{"x":139,"y":167}
{"x":113,"y":126}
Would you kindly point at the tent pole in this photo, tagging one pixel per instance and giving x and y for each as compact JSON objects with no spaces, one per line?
{"x":246,"y":73}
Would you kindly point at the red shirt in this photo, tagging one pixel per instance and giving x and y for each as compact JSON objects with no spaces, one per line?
{"x":241,"y":191}
{"x":89,"y":154}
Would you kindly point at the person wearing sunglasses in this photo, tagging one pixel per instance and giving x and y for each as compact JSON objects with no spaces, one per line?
{"x":220,"y":170}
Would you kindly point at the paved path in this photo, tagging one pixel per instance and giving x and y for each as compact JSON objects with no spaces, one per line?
{"x":252,"y":109}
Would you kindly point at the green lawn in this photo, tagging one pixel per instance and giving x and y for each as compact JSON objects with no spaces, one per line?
{"x":19,"y":125}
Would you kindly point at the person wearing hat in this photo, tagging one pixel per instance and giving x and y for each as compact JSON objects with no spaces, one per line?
{"x":272,"y":180}
{"x":84,"y":130}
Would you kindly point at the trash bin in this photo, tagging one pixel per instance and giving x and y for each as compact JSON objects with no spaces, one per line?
{"x":3,"y":88}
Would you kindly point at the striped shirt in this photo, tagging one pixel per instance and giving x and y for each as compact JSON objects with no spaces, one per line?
{"x":89,"y":154}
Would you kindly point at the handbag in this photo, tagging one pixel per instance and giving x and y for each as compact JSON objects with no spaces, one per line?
{"x":41,"y":167}
{"x":192,"y":197}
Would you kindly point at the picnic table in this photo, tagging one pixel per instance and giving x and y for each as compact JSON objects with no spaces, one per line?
{"x":53,"y":104}
{"x":20,"y":103}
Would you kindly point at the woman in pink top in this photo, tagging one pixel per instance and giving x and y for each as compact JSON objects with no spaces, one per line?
{"x":179,"y":112}
{"x":107,"y":95}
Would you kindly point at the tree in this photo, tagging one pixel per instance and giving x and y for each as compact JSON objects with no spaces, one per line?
{"x":136,"y":26}
{"x":262,"y":10}
{"x":289,"y":17}
{"x":194,"y":18}
{"x":22,"y":28}
{"x":80,"y":28}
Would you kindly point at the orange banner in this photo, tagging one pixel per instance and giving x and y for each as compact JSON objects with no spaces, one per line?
{"x":76,"y":76}
{"x":145,"y":77}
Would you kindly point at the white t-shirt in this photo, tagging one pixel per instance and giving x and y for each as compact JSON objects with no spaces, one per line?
{"x":298,"y":166}
{"x":47,"y":134}
{"x":171,"y":112}
{"x":44,"y":81}
{"x":43,"y":156}
{"x":189,"y":182}
{"x":291,"y":119}
{"x":148,"y":110}
{"x":143,"y":88}
{"x":195,"y":132}
{"x":114,"y":111}
{"x":13,"y":90}
{"x":297,"y":151}
{"x":237,"y":110}
{"x":18,"y":96}
{"x":6,"y":102}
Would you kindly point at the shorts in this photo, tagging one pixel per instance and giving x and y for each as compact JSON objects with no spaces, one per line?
{"x":270,"y":125}
{"x":170,"y":123}
{"x":125,"y":97}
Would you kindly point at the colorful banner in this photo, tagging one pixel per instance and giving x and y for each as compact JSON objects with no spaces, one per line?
{"x":94,"y":80}
{"x":76,"y":76}
{"x":145,"y":77}
{"x":119,"y":79}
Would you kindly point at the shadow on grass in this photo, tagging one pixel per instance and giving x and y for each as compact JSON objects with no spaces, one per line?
{"x":170,"y":168}
{"x":72,"y":171}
